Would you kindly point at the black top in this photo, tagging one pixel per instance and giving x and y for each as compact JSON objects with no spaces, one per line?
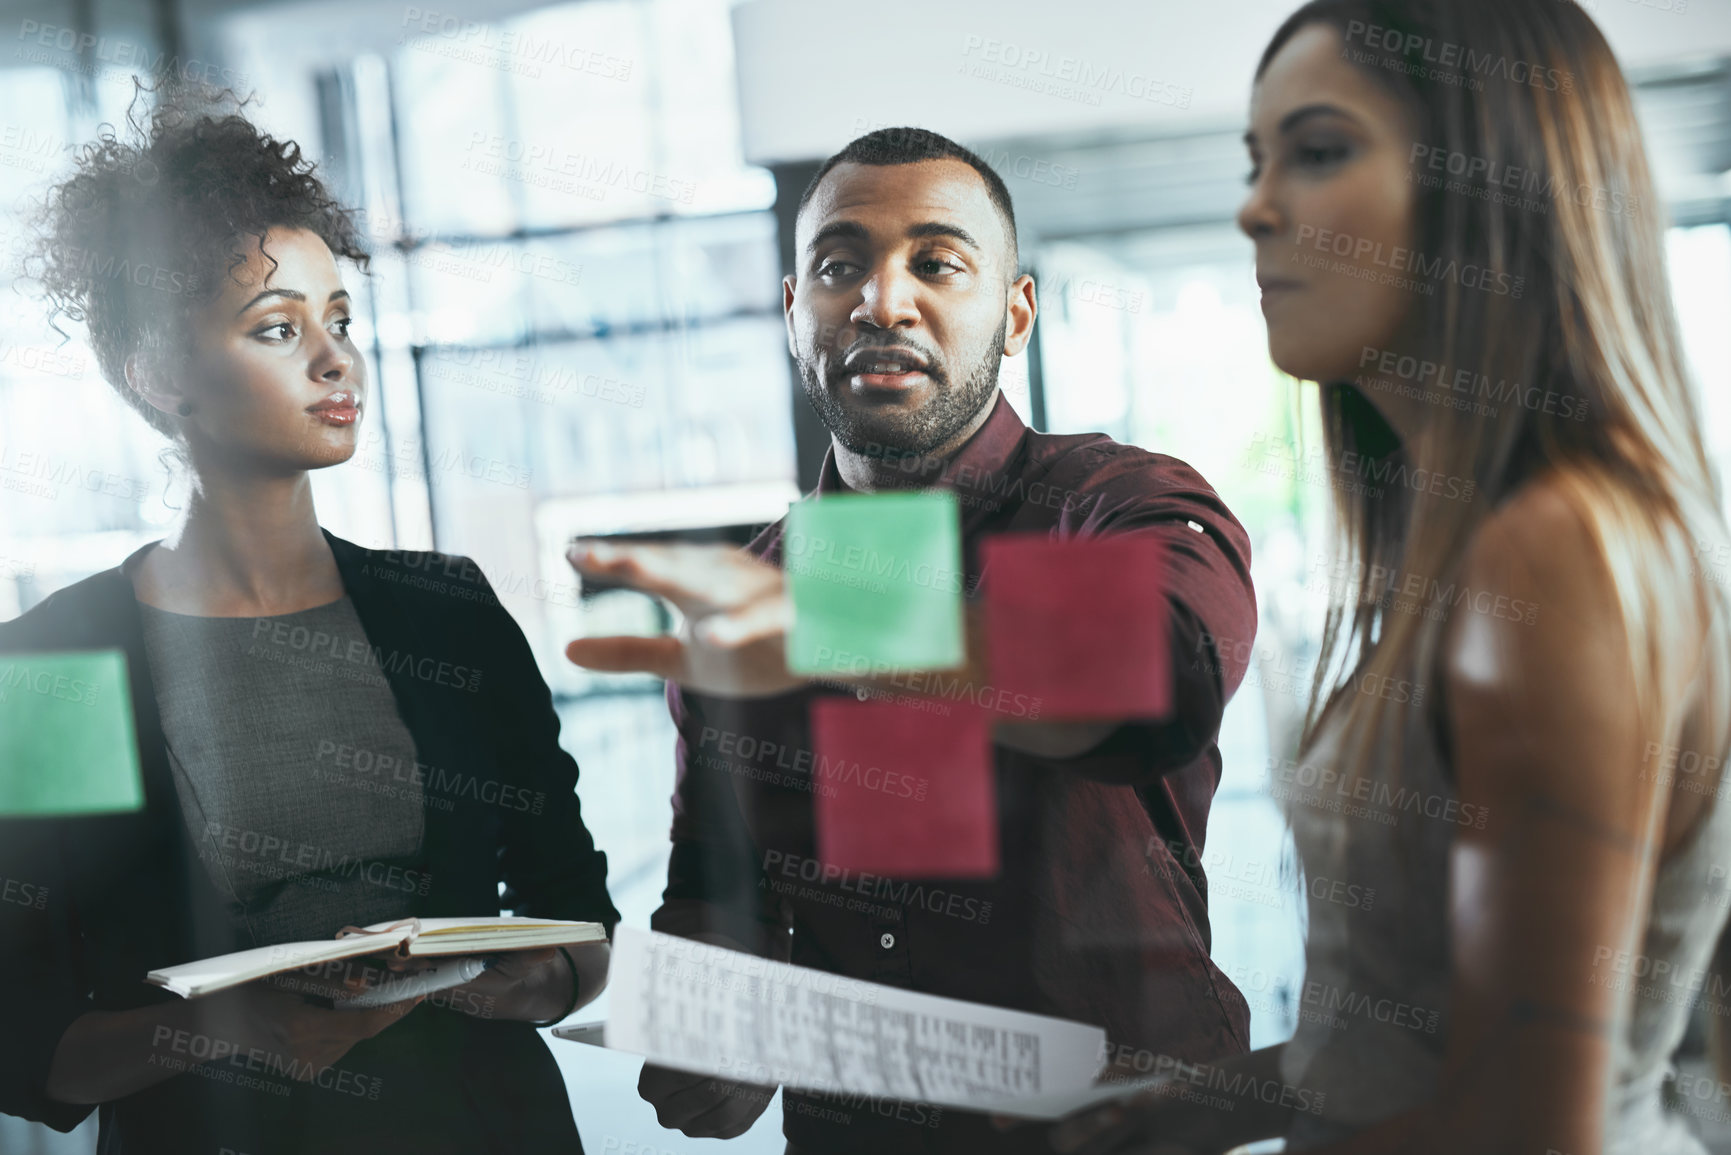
{"x":116,"y":896}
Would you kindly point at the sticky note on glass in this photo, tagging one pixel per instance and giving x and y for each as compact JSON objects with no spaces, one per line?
{"x":904,"y":792}
{"x":1080,"y":625}
{"x":67,"y":744}
{"x":877,"y":583}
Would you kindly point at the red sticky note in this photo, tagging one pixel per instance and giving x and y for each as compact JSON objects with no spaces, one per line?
{"x":1079,"y":625}
{"x":905,"y":792}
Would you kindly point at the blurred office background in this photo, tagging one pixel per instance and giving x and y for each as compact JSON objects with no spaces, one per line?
{"x":580,"y":213}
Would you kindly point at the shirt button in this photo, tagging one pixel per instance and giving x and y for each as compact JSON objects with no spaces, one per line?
{"x":887,"y":941}
{"x":862,"y":695}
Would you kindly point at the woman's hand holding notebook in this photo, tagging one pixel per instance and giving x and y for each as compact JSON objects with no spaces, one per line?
{"x":407,"y":938}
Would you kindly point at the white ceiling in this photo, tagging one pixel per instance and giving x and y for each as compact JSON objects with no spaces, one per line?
{"x":813,"y":74}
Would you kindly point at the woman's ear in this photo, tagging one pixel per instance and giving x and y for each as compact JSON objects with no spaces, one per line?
{"x":160,"y":390}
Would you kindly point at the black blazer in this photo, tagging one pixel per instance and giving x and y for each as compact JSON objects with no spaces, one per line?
{"x":112,"y":897}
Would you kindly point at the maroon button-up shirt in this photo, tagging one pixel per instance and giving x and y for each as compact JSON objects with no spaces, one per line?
{"x":1099,"y":913}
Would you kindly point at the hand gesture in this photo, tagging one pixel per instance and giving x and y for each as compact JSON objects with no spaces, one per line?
{"x":733,"y":641}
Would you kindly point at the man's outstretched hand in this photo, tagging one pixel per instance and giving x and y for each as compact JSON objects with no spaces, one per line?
{"x":733,"y":641}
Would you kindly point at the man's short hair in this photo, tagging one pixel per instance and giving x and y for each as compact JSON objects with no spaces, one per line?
{"x":908,"y":145}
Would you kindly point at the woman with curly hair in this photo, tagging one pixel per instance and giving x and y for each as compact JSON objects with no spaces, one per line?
{"x":327,"y":738}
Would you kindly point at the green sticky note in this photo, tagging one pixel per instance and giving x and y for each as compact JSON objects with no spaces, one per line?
{"x":67,"y":744}
{"x":877,"y":583}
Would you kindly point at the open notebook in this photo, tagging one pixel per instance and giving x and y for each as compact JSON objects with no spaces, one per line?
{"x":413,"y":937}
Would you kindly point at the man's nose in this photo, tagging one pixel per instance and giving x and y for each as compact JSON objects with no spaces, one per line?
{"x":887,"y":300}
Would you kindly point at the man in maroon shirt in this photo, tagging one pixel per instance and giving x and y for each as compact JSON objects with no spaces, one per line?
{"x":906,"y":299}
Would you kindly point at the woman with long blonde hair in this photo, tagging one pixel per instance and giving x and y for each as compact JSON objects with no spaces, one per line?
{"x":1457,"y":237}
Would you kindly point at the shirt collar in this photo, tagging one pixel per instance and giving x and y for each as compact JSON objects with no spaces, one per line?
{"x":974,"y":472}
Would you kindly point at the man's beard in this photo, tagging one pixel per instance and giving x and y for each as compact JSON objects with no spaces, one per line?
{"x":908,"y":434}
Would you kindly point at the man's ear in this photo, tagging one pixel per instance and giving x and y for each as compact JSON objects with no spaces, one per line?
{"x":159,"y":390}
{"x":1022,"y":307}
{"x":788,"y":284}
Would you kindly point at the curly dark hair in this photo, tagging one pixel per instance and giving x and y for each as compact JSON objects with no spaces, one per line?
{"x":146,"y":229}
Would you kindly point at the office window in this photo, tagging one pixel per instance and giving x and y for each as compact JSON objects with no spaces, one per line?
{"x":589,"y":319}
{"x":1700,"y":259}
{"x":80,"y":478}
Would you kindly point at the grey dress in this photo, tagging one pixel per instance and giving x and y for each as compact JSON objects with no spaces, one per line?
{"x":285,"y":743}
{"x":1373,"y":1011}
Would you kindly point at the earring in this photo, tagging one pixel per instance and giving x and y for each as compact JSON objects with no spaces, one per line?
{"x":184,"y":409}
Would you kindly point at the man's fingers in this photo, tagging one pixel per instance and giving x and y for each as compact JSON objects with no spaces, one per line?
{"x":688,"y":1102}
{"x":762,"y":619}
{"x":703,"y":1107}
{"x":728,"y":1119}
{"x":696,"y":578}
{"x":664,"y":657}
{"x":676,"y":1108}
{"x":652,"y":569}
{"x":653,"y":1083}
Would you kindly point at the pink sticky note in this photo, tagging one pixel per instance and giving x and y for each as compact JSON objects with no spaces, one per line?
{"x":904,"y":792}
{"x":1080,"y":625}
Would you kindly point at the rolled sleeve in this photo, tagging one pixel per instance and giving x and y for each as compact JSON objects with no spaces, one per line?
{"x":1209,"y":599}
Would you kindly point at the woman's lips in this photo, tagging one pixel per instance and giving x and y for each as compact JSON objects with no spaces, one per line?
{"x":341,"y":415}
{"x":1273,"y":291}
{"x":341,"y":409}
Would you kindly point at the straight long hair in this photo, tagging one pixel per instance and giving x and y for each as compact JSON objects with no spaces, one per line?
{"x":1528,"y":85}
